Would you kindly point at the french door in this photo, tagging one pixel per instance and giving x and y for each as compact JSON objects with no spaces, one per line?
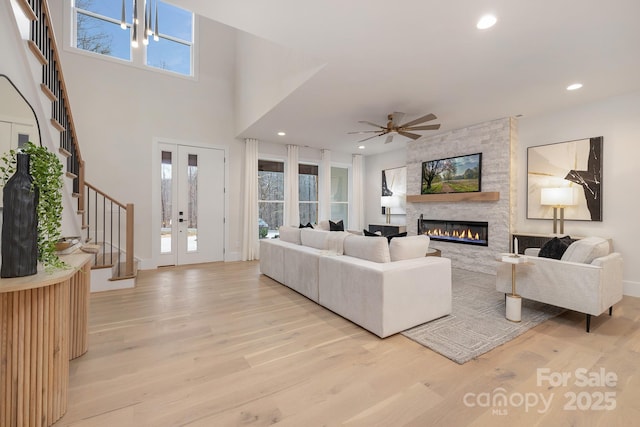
{"x":191,"y":204}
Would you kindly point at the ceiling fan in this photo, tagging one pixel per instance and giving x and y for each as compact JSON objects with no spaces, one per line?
{"x":393,"y":128}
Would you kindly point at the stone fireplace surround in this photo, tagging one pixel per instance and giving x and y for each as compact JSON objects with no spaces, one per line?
{"x":497,"y":141}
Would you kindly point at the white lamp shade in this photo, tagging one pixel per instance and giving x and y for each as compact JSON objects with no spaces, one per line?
{"x":389,"y":201}
{"x":560,"y":196}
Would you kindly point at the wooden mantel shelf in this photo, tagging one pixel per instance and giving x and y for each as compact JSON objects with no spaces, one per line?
{"x":487,"y":196}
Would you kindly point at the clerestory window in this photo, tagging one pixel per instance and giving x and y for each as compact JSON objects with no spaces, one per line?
{"x":144,"y":32}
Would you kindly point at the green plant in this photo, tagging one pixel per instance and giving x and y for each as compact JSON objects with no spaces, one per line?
{"x":46,"y":170}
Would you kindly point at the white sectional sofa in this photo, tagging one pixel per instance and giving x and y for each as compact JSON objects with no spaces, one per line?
{"x":385,"y":287}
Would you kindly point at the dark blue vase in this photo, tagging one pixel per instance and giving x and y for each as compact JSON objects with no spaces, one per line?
{"x":19,"y":223}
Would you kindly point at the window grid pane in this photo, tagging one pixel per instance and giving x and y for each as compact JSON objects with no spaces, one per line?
{"x":168,"y":55}
{"x":103,"y":37}
{"x":270,"y":197}
{"x":107,"y":8}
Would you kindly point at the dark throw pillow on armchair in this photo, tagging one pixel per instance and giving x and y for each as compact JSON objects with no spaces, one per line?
{"x":555,"y":247}
{"x":336,"y":226}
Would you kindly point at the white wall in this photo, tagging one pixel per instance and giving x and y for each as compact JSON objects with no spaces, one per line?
{"x":374,"y":165}
{"x":616,"y":119}
{"x":266,"y":74}
{"x":120,"y":110}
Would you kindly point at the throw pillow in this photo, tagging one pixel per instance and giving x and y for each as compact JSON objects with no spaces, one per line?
{"x":396,"y":235}
{"x":370,"y":234}
{"x":555,"y":247}
{"x":336,"y":226}
{"x":586,"y":250}
{"x":306,"y":226}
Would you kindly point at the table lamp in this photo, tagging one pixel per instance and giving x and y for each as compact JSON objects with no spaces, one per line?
{"x":388,"y":202}
{"x":559,"y":198}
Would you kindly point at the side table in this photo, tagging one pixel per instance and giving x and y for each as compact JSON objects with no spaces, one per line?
{"x":513,"y":301}
{"x":433,"y":252}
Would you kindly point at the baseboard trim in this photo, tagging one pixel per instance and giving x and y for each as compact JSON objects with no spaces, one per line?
{"x":631,"y":289}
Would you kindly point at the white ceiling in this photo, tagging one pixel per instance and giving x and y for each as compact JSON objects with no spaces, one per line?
{"x":426,"y":56}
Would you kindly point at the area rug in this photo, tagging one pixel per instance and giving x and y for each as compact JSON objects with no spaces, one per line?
{"x":477,"y":323}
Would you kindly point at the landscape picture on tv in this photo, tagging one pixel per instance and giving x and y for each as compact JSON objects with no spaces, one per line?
{"x":460,"y":174}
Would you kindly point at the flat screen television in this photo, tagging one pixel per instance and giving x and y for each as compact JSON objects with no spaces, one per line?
{"x":461,"y":174}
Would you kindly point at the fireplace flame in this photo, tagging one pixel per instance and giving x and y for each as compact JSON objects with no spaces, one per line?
{"x":464,"y":234}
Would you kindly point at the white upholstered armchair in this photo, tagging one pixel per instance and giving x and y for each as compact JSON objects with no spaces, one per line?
{"x":587,"y":279}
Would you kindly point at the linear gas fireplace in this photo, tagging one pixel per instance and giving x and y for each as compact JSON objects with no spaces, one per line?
{"x":466,"y":232}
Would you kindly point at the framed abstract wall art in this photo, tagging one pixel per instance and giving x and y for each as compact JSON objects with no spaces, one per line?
{"x":394,"y":183}
{"x":573,"y":164}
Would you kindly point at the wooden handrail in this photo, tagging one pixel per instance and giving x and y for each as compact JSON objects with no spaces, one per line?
{"x":106,"y":196}
{"x":63,"y":86}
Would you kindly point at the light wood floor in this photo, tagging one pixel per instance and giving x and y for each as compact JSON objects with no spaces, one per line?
{"x":221,"y":345}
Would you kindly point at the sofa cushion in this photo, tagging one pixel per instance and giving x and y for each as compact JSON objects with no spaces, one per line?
{"x":314,"y":238}
{"x":322,"y":225}
{"x":408,"y":247}
{"x":404,"y":234}
{"x":586,"y":250}
{"x":290,"y":234}
{"x":336,"y":226}
{"x":374,"y":249}
{"x":555,"y":247}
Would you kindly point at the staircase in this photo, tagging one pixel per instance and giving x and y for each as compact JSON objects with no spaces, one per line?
{"x":105,"y":223}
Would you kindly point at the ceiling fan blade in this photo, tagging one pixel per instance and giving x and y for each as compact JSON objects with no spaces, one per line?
{"x":427,"y":127}
{"x":372,"y":124}
{"x":374,"y":136}
{"x":389,"y":139}
{"x":362,"y":131}
{"x":396,"y":117}
{"x":409,"y":134}
{"x":419,"y":120}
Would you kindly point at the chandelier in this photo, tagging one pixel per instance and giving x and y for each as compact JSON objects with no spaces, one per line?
{"x":149,"y":30}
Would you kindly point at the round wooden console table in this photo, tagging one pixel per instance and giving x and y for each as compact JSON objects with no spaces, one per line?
{"x":43,"y":324}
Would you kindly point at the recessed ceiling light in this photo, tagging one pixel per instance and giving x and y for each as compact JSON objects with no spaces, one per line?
{"x":361,"y":147}
{"x":574,"y":86}
{"x":487,"y":21}
{"x":281,"y":134}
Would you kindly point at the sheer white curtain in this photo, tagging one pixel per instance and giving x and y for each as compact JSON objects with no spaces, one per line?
{"x":357,"y":200}
{"x":324,"y":196}
{"x":291,"y":196}
{"x":250,"y":242}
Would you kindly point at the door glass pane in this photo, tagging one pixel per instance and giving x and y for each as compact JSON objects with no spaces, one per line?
{"x":165,"y":200}
{"x":192,"y":208}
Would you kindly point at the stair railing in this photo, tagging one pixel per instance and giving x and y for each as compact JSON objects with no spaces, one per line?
{"x":43,"y":45}
{"x":104,"y":217}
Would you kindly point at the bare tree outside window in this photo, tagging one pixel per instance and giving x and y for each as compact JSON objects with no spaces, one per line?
{"x":89,"y":31}
{"x":270,"y":197}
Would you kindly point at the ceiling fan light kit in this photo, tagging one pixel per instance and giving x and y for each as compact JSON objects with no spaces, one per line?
{"x":393,"y":128}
